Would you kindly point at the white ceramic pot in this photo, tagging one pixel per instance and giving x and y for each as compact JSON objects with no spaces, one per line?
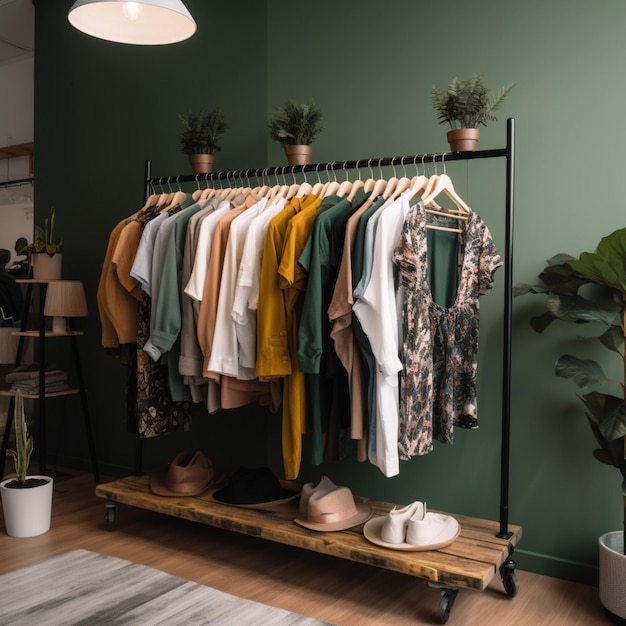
{"x":27,"y":512}
{"x":612,"y":585}
{"x":46,"y":267}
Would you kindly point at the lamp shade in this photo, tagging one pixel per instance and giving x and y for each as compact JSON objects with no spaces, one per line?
{"x":145,"y":22}
{"x":65,"y":298}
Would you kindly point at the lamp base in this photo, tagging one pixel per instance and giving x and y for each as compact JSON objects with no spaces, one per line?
{"x":59,"y":324}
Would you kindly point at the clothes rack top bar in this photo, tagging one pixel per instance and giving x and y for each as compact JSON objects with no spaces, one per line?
{"x":422,"y":159}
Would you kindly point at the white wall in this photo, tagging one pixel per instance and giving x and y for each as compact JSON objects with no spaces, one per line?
{"x":16,"y":126}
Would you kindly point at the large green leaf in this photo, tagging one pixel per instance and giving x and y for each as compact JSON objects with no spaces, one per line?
{"x":578,"y":309}
{"x":607,"y":265}
{"x":584,"y":372}
{"x":613,"y":339}
{"x":562,"y":278}
{"x":609,"y":413}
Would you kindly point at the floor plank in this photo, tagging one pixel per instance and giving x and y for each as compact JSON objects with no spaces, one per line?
{"x":324,"y":587}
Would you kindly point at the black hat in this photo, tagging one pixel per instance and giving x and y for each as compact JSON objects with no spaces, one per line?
{"x":256,"y":488}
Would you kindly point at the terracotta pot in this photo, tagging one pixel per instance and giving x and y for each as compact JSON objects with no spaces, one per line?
{"x":28,"y":511}
{"x":298,"y":155}
{"x":463,"y":139}
{"x":201,"y":163}
{"x":46,"y":267}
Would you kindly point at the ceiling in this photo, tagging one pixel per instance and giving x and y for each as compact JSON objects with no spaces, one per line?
{"x":17,"y":30}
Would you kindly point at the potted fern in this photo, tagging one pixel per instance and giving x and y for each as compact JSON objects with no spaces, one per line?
{"x":294,"y":126}
{"x":26,"y":499}
{"x":45,"y":251}
{"x":465,"y":105}
{"x":199,"y":138}
{"x":592,"y":289}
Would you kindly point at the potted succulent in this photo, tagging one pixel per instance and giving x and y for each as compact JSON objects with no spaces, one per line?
{"x":26,"y":499}
{"x":198,"y":139}
{"x":45,"y":251}
{"x":589,"y":289}
{"x":294,"y":126}
{"x":464,"y":105}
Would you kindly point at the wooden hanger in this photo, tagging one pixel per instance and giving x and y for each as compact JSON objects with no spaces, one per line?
{"x":443,"y":183}
{"x":305,"y":189}
{"x":344,"y":188}
{"x":390,"y":187}
{"x":356,"y":185}
{"x":403,"y":184}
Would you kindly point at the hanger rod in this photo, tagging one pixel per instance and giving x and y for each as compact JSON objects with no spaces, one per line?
{"x":417,"y":159}
{"x":19,"y":181}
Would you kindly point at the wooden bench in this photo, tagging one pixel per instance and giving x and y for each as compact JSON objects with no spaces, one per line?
{"x":470,"y":562}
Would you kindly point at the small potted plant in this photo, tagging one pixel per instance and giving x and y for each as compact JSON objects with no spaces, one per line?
{"x":601,"y":277}
{"x":294,"y":126}
{"x":464,"y":105}
{"x":198,"y":139}
{"x":26,"y":500}
{"x":45,"y":251}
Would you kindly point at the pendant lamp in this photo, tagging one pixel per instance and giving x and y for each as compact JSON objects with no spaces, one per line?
{"x":145,"y":23}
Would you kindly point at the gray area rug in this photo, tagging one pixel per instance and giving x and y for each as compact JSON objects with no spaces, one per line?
{"x":82,"y":587}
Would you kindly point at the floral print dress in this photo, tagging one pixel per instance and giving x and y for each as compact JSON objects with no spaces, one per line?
{"x":440,"y":344}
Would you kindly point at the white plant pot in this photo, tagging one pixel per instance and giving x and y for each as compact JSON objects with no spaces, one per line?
{"x":612,"y":586}
{"x":27,"y":512}
{"x":46,"y":267}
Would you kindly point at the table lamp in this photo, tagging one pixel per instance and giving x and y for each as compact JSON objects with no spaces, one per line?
{"x":65,"y":298}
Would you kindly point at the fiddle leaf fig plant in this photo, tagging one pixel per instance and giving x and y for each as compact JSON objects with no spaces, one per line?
{"x":583,"y":290}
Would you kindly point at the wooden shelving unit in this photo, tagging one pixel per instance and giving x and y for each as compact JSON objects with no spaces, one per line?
{"x":42,"y":335}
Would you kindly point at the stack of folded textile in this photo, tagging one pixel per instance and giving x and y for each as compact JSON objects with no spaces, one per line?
{"x":26,"y":379}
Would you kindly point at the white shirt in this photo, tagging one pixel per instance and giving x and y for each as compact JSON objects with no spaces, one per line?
{"x":377,"y":310}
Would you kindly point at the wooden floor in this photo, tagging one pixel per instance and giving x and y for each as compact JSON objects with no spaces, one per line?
{"x":341,"y":592}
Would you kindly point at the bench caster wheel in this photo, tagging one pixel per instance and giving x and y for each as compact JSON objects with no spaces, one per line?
{"x":448,"y":596}
{"x":110,"y":515}
{"x":509,"y":578}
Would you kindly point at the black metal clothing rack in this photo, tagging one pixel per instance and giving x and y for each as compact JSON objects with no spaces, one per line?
{"x":508,"y":153}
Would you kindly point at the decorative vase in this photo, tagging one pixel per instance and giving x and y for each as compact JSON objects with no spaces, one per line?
{"x":27,"y":510}
{"x":613,"y":575}
{"x":298,"y":155}
{"x":46,"y":267}
{"x":463,"y":139}
{"x":201,"y":163}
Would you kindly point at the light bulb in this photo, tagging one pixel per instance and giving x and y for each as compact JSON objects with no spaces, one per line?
{"x":131,"y":10}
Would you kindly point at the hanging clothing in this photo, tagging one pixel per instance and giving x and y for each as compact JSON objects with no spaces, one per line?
{"x":377,"y":311}
{"x":440,"y":344}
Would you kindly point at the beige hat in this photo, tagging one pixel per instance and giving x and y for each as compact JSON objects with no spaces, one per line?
{"x":334,"y":510}
{"x":308,"y":489}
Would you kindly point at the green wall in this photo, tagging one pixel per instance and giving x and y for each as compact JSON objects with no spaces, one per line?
{"x":101,"y":109}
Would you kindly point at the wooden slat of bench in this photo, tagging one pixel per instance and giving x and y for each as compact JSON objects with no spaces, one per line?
{"x":470,"y":562}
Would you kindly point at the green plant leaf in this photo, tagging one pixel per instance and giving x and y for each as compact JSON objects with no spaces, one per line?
{"x":561,"y":278}
{"x":584,"y":372}
{"x":606,"y":265}
{"x":613,"y":339}
{"x":577,"y":309}
{"x":609,"y":413}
